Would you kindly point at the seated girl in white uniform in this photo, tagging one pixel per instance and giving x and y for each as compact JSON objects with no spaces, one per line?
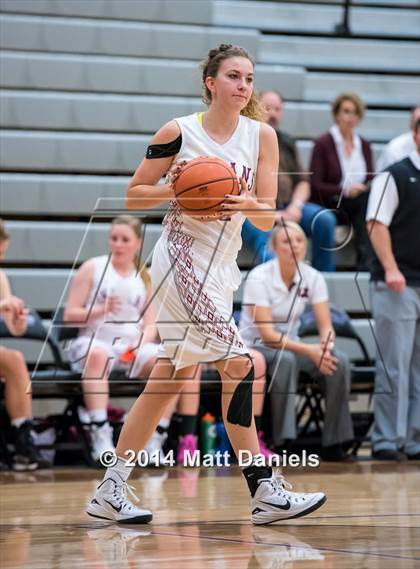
{"x":107,"y":301}
{"x":275,"y":296}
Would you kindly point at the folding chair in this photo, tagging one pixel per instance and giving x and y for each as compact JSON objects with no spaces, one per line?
{"x":310,"y":411}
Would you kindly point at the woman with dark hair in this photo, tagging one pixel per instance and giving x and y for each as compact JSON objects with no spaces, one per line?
{"x":342,"y":166}
{"x":194,"y":274}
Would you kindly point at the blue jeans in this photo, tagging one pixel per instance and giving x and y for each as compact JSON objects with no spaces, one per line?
{"x":322,"y":234}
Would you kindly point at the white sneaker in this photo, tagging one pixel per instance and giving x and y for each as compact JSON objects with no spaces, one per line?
{"x":273,"y":502}
{"x":100,"y":440}
{"x":110,"y":502}
{"x":154,"y":449}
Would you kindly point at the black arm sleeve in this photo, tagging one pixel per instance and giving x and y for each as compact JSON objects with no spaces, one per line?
{"x":164,"y":150}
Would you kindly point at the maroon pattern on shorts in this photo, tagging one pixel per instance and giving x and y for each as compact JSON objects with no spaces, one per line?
{"x":199,"y":306}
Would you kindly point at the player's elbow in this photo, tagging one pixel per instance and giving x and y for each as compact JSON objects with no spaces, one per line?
{"x":130,"y":198}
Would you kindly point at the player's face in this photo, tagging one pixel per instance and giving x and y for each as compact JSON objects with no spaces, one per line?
{"x":347,"y":117}
{"x":290,"y":245}
{"x":274,"y":107}
{"x":3,"y":248}
{"x":234,"y":82}
{"x":123,"y":243}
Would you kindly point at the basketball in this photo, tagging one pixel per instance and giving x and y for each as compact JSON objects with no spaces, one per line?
{"x":203,"y":183}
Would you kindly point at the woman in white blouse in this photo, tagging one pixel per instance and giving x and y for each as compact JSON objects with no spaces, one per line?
{"x":275,"y":296}
{"x":342,"y":166}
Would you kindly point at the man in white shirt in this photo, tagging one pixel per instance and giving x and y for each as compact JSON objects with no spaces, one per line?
{"x":393,"y":218}
{"x":275,"y":296}
{"x":400,"y":146}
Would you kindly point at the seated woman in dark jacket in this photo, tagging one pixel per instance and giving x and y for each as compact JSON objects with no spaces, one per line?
{"x":342,"y":166}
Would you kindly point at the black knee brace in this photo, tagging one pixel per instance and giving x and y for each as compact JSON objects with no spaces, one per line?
{"x":240,"y":407}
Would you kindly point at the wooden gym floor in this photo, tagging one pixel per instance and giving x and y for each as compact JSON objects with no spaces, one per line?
{"x":201,"y":520}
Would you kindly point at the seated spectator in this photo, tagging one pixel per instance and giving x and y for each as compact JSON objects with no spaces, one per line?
{"x":400,"y":146}
{"x":341,"y":166}
{"x":109,"y":300}
{"x":393,"y":220}
{"x":14,"y":373}
{"x":275,"y":295}
{"x":292,"y":198}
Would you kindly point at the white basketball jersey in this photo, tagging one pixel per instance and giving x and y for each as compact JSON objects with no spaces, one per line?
{"x":241,"y":152}
{"x":132,"y":293}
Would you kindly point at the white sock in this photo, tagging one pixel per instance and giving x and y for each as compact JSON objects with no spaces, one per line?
{"x":120,"y":468}
{"x":164,"y":423}
{"x":98,"y":415}
{"x":18,"y":422}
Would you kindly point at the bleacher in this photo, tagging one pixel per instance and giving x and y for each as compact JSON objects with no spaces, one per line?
{"x":85,"y":84}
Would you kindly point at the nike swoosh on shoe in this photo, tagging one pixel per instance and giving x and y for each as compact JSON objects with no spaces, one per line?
{"x":285,"y":506}
{"x":113,"y":507}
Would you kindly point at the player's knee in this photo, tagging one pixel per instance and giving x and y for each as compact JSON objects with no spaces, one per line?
{"x":237,"y":368}
{"x":12,"y":359}
{"x":260,"y":366}
{"x":18,"y":357}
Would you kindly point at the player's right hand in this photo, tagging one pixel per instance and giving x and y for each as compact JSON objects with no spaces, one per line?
{"x":174,"y":172}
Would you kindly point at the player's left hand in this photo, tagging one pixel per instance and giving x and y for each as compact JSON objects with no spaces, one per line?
{"x":246,"y":201}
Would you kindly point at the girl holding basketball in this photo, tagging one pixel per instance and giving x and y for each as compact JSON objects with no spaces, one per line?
{"x":194,"y":274}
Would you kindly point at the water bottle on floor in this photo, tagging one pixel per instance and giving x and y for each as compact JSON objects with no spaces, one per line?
{"x":208,"y":434}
